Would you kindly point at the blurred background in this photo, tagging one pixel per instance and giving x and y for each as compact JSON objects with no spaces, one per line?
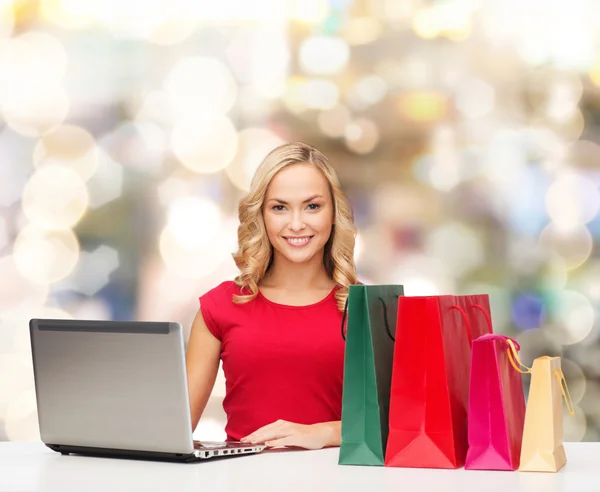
{"x":465,"y":132}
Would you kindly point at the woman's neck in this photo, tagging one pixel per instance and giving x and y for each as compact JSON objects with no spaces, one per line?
{"x":290,"y":276}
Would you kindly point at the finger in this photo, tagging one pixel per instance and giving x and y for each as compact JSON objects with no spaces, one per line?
{"x":271,"y":434}
{"x":265,"y":428}
{"x":284,"y":441}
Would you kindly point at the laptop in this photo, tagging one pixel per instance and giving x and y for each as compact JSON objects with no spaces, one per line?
{"x":117,"y":389}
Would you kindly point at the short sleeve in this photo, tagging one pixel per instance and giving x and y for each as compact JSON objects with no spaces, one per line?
{"x":207,"y":307}
{"x":215,"y":306}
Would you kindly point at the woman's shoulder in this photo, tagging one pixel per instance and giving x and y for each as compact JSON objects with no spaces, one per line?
{"x":224,"y":291}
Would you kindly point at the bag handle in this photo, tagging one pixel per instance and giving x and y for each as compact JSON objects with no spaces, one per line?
{"x":344,"y":318}
{"x":487,"y":316}
{"x":565,"y":391}
{"x":513,"y":358}
{"x":385,"y":319}
{"x":466,"y":320}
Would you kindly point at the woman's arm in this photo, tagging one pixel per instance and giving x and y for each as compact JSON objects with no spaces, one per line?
{"x":202,"y":363}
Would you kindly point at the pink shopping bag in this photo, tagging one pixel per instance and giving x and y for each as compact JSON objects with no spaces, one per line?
{"x":496,"y":414}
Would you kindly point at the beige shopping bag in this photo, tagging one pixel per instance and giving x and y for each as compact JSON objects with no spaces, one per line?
{"x":542,"y":449}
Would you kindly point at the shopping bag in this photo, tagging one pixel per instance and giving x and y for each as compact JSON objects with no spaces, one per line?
{"x":430,"y":382}
{"x":496,"y":406}
{"x":371,"y":312}
{"x":542,"y":449}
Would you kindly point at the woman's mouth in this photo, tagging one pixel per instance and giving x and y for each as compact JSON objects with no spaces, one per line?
{"x":298,"y":241}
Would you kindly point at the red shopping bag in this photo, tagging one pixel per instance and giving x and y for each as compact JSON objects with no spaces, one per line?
{"x":496,"y":406}
{"x":430,"y":379}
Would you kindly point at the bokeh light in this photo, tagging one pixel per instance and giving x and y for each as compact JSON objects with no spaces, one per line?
{"x":55,"y":198}
{"x":323,"y":55}
{"x":572,"y":199}
{"x":253,"y":145}
{"x":45,"y":257}
{"x":205,"y":144}
{"x":361,"y":135}
{"x":570,"y":241}
{"x":423,"y":106}
{"x":197,"y":85}
{"x":18,"y":294}
{"x":333,"y":121}
{"x":40,"y":105}
{"x":575,"y":314}
{"x":70,"y":146}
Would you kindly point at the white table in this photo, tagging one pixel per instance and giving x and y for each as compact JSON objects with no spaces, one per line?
{"x":33,"y":467}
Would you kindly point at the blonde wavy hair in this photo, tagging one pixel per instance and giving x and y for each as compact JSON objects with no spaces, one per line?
{"x":255,"y":253}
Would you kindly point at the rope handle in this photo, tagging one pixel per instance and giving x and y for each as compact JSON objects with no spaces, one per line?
{"x":487,"y":317}
{"x":565,"y":391}
{"x":466,"y":320}
{"x":513,"y":358}
{"x":344,"y":318}
{"x":385,"y":319}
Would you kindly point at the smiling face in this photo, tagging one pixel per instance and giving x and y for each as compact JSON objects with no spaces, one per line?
{"x":298,"y":213}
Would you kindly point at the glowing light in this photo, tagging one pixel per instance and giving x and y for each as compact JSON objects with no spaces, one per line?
{"x":319,"y":94}
{"x":69,"y":146}
{"x":253,"y":146}
{"x":573,"y":244}
{"x":36,"y":107}
{"x":194,"y":222}
{"x":475,"y":98}
{"x":577,"y":315}
{"x":362,"y":30}
{"x":55,"y":198}
{"x":308,"y":11}
{"x":199,"y":84}
{"x":70,"y":14}
{"x":36,"y":114}
{"x":362,"y":136}
{"x":333,"y":122}
{"x":45,"y":257}
{"x":7,"y":18}
{"x":423,"y":106}
{"x":18,"y":295}
{"x":369,"y":90}
{"x":324,"y":55}
{"x":205,"y":144}
{"x":572,"y":199}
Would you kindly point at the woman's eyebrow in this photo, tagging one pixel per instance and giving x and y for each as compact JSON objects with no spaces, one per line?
{"x":283,"y":202}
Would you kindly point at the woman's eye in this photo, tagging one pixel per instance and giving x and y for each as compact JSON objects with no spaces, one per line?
{"x":278,"y":208}
{"x":314,"y":206}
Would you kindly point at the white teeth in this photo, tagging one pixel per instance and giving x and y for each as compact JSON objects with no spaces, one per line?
{"x":297,"y":241}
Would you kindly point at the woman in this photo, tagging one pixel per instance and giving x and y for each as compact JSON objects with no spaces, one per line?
{"x":277,"y":326}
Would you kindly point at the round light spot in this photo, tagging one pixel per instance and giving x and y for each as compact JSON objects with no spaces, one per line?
{"x":573,"y":243}
{"x":69,"y":146}
{"x":197,"y":85}
{"x":324,"y":55}
{"x":45,"y":257}
{"x":362,"y":136}
{"x":253,"y":146}
{"x":205,"y":144}
{"x":333,"y":121}
{"x":55,"y":198}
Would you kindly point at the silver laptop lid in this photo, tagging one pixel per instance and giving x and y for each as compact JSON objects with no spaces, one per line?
{"x":118,"y":385}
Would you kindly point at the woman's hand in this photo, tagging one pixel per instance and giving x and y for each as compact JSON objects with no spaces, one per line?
{"x":283,"y":433}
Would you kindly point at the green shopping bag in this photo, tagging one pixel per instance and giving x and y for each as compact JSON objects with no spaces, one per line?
{"x":372,"y":313}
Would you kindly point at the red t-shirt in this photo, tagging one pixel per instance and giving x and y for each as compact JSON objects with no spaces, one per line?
{"x":280,"y":362}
